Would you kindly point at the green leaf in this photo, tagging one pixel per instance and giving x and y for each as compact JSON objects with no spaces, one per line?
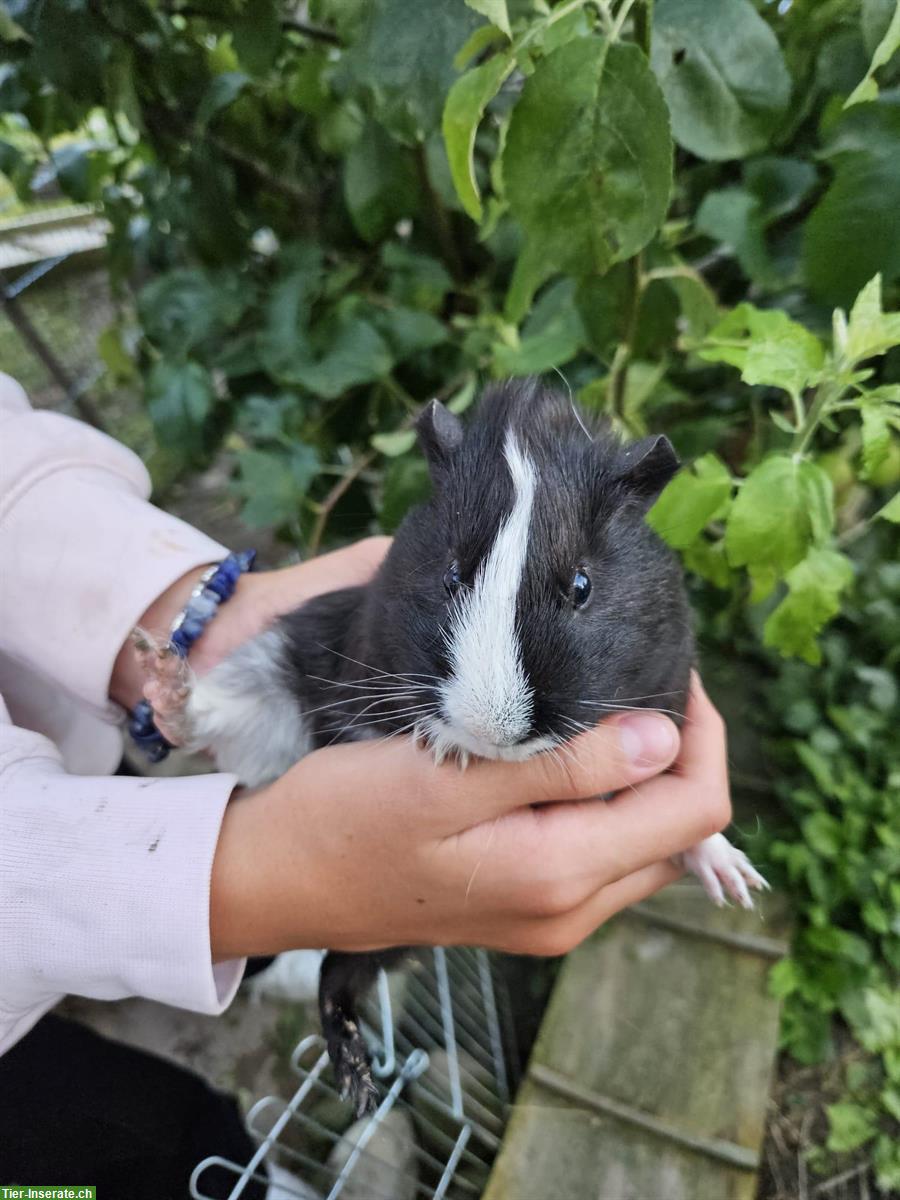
{"x":345,"y":351}
{"x":220,"y":92}
{"x":850,"y":1126}
{"x":690,"y":501}
{"x":767,"y":346}
{"x":871,"y":331}
{"x":699,"y":308}
{"x":475,"y":46}
{"x":891,"y":510}
{"x":180,"y":396}
{"x":823,"y":832}
{"x":307,"y":87}
{"x":404,"y":57}
{"x":381,"y":185}
{"x":707,"y":560}
{"x":408,"y":331}
{"x":780,"y":184}
{"x":783,"y":506}
{"x":734,"y":217}
{"x":814,"y":591}
{"x":117,"y":359}
{"x":394,"y":444}
{"x":876,"y":435}
{"x":783,"y":979}
{"x":275,"y":484}
{"x":552,"y":335}
{"x":463,"y":111}
{"x":256,"y":35}
{"x":852,"y":232}
{"x":588,"y":158}
{"x":495,"y":11}
{"x":867,"y":88}
{"x":10,"y":31}
{"x":184,"y":308}
{"x":463,"y":398}
{"x":416,"y":280}
{"x":406,"y":483}
{"x":722,"y":73}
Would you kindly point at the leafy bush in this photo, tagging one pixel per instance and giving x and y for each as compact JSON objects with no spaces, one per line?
{"x":324,"y":221}
{"x":836,"y":848}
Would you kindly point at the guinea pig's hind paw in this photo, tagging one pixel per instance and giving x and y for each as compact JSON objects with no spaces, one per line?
{"x":722,"y":868}
{"x":355,"y":1083}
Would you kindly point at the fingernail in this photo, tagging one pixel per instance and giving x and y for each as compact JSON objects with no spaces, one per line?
{"x":647,"y":739}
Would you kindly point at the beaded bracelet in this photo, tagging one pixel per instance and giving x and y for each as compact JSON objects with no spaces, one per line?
{"x":216,"y":585}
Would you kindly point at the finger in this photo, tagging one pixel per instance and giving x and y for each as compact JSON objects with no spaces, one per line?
{"x":663,"y":816}
{"x":633,"y":888}
{"x":622,"y":751}
{"x":558,"y":935}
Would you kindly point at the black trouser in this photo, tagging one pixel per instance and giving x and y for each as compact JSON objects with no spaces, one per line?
{"x":77,"y":1108}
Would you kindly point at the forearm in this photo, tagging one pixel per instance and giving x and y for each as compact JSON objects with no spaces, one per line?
{"x":105,"y":885}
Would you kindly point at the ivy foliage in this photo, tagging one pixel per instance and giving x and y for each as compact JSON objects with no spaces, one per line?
{"x":836,"y":848}
{"x":689,"y":209}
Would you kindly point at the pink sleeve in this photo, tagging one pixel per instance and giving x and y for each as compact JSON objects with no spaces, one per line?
{"x":104,"y":886}
{"x":104,"y":882}
{"x":88,"y":553}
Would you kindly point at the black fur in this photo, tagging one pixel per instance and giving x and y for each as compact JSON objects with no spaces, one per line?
{"x":631,"y":644}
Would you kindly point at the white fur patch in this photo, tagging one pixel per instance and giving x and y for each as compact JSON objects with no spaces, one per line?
{"x":244,"y":714}
{"x":487,"y":702}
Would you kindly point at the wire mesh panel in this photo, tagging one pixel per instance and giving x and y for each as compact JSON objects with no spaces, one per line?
{"x":438,"y":1048}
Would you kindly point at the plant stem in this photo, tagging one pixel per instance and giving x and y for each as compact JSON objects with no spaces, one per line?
{"x":621,"y":18}
{"x":327,"y":506}
{"x":826,"y":396}
{"x":618,"y":375}
{"x":443,"y":228}
{"x":643,"y":21}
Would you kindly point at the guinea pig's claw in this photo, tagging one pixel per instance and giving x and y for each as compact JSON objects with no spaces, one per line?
{"x":722,"y":868}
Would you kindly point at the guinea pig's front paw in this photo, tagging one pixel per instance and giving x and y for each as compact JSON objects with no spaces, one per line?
{"x":166,"y":684}
{"x":722,"y":868}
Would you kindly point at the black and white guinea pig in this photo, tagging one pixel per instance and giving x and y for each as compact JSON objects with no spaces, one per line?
{"x":526,"y":600}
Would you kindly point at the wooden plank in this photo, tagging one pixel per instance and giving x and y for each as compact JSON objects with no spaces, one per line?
{"x":651,"y":1072}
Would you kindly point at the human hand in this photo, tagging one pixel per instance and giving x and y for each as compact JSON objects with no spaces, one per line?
{"x":258,"y":599}
{"x":371,"y":844}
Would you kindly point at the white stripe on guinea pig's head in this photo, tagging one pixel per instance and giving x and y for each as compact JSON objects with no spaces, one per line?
{"x":487,"y":702}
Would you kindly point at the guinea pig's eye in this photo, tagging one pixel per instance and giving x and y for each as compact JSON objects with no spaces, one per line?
{"x":452,"y":580}
{"x":580,"y":588}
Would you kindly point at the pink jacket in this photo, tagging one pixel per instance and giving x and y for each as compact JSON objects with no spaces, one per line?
{"x":104,"y":880}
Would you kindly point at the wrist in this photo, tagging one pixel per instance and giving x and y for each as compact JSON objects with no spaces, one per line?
{"x":264,"y":911}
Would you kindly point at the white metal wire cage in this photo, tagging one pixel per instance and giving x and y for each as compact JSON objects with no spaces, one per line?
{"x":439,"y":1049}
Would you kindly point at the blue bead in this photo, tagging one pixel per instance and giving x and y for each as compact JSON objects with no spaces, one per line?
{"x":191,"y":628}
{"x":201,"y":608}
{"x":246,"y":559}
{"x":180,"y":642}
{"x":230,"y":569}
{"x":157,"y":752}
{"x":220,"y":586}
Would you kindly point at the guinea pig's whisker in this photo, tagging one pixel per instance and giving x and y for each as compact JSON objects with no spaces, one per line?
{"x":376,"y":671}
{"x":373,"y":685}
{"x":606,"y":706}
{"x":371,"y":723}
{"x":397,"y":698}
{"x":389,"y":714}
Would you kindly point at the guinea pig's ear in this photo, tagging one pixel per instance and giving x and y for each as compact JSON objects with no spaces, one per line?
{"x":645,"y":467}
{"x":440,"y":433}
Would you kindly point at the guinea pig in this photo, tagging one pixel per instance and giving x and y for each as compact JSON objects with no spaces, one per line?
{"x":523,"y":602}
